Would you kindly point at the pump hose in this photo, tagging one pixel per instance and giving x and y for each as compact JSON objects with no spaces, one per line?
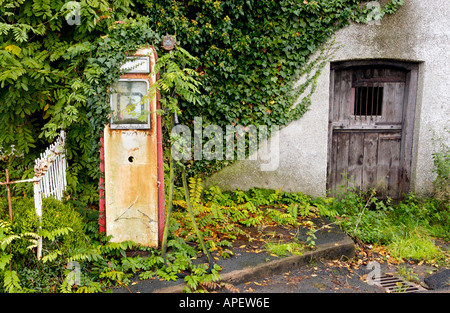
{"x":191,"y":215}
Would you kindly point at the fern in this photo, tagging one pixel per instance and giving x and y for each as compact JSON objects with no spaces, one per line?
{"x":195,"y":189}
{"x":5,"y":259}
{"x":52,"y":256}
{"x":88,"y":254}
{"x":11,"y":282}
{"x":7,"y":240}
{"x":293,"y":210}
{"x":53,"y":234}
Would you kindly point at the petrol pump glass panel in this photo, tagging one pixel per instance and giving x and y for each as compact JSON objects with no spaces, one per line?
{"x":130,"y":104}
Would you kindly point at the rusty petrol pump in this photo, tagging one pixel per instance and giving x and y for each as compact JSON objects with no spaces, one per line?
{"x":133,"y":203}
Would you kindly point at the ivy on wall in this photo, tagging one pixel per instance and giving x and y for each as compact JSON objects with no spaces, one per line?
{"x":252,"y":53}
{"x":54,"y":75}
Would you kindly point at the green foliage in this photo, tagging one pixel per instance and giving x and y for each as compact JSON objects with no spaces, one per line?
{"x":224,"y":217}
{"x":284,"y":249}
{"x":413,"y":243}
{"x":55,"y":75}
{"x":42,"y":60}
{"x":100,"y":264}
{"x":405,"y":228}
{"x":55,"y":216}
{"x":357,"y":218}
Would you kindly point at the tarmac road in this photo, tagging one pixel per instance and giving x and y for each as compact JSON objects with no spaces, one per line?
{"x":336,"y":265}
{"x":317,"y":277}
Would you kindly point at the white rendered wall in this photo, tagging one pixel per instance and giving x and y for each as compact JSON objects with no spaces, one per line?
{"x":418,"y":32}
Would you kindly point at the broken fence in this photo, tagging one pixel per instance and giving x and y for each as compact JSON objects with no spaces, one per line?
{"x":49,"y":178}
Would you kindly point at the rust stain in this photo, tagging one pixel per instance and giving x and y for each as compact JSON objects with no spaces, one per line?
{"x":131,"y":189}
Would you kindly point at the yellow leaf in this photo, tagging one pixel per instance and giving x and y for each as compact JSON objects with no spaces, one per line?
{"x":242,"y":247}
{"x":46,"y":107}
{"x":13,"y":49}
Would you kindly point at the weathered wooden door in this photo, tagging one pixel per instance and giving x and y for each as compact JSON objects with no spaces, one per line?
{"x":370,"y":126}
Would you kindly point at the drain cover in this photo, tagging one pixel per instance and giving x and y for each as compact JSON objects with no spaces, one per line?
{"x":394,"y":284}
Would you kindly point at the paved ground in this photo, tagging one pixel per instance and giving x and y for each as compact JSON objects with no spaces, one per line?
{"x":336,"y":265}
{"x":317,"y":277}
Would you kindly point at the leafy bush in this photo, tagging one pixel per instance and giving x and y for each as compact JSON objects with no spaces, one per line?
{"x":405,"y":227}
{"x":55,"y":215}
{"x":54,"y":75}
{"x":431,"y":214}
{"x":357,"y":216}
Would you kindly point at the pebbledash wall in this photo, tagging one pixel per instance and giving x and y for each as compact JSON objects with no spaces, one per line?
{"x":418,"y":32}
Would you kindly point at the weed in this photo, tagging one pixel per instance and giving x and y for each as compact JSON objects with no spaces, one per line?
{"x":408,"y":274}
{"x":405,"y":228}
{"x":408,"y":243}
{"x":284,"y":249}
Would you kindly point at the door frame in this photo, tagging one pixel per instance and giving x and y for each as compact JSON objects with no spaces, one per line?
{"x":408,"y":114}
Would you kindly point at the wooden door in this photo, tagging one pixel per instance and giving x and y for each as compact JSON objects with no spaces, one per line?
{"x":370,"y":127}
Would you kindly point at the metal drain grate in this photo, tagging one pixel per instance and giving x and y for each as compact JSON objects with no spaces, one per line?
{"x":394,"y":284}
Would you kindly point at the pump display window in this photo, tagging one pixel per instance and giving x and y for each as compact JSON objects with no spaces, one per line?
{"x":130,"y":104}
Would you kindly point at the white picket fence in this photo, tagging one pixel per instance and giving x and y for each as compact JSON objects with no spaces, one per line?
{"x":50,"y":168}
{"x":49,"y":177}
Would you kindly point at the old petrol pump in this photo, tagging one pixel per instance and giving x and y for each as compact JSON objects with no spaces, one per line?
{"x":133,"y":181}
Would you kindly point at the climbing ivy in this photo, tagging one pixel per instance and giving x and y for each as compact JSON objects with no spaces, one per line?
{"x":250,"y":53}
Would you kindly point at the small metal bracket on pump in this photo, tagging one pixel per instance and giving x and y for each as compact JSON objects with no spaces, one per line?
{"x":168,"y":42}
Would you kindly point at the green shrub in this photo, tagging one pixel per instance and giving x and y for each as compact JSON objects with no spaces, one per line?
{"x":363,"y":216}
{"x":55,"y":215}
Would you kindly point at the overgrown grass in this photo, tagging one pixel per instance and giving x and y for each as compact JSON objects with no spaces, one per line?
{"x":415,"y":244}
{"x":221,"y":216}
{"x":406,"y":228}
